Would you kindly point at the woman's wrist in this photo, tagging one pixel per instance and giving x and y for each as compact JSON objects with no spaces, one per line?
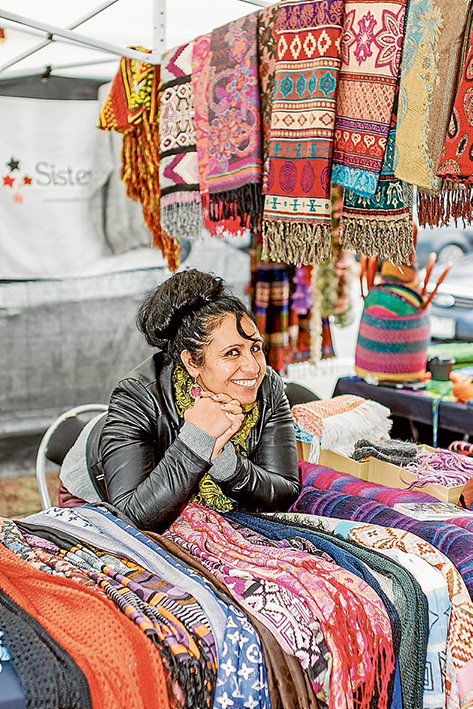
{"x":201,"y":442}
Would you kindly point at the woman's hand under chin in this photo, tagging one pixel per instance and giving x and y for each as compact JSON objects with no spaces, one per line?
{"x":217,"y":415}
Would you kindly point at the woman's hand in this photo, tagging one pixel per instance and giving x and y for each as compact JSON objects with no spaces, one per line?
{"x":214,"y":416}
{"x":236,"y":421}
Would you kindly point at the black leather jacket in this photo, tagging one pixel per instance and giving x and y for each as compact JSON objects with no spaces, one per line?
{"x":139,"y":464}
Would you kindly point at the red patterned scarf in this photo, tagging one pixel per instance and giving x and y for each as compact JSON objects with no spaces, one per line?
{"x":456,"y":162}
{"x":234,"y":140}
{"x":267,"y":40}
{"x":371,"y":53}
{"x":131,"y":108}
{"x":296,"y":221}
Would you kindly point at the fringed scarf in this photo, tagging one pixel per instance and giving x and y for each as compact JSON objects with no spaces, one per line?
{"x":381,"y":225}
{"x":280,"y":580}
{"x":201,"y":60}
{"x":371,"y":54}
{"x":296,"y":220}
{"x":131,"y":108}
{"x":234,"y":143}
{"x":181,"y":211}
{"x":210,"y":494}
{"x":431,"y":55}
{"x":456,"y":162}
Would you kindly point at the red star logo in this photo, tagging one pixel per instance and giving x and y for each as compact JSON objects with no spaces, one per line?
{"x":8,"y":181}
{"x":17,"y":197}
{"x":27,"y":180}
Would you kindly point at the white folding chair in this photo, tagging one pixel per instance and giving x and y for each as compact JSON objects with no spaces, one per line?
{"x":57,"y":441}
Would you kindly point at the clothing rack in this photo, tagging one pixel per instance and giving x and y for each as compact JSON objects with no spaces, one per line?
{"x":68,"y":35}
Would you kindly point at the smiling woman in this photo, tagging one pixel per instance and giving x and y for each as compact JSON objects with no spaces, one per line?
{"x":204,"y":418}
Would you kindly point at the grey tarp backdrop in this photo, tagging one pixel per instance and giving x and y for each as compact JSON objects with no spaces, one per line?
{"x":66,"y":341}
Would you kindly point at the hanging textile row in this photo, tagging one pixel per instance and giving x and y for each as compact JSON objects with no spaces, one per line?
{"x":248,"y":126}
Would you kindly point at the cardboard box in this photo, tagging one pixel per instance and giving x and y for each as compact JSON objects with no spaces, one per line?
{"x":335,"y":461}
{"x":393,"y":476}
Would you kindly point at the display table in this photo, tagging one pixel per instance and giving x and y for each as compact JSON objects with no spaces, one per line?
{"x":412,"y":411}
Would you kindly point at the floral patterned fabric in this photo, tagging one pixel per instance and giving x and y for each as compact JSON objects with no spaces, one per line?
{"x":371,"y":54}
{"x":431,"y":55}
{"x":296,"y":594}
{"x":296,"y":218}
{"x":234,"y":139}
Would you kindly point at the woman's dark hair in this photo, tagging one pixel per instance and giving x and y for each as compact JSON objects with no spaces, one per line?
{"x":181,"y":313}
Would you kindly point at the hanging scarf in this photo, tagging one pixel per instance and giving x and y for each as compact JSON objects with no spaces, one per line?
{"x":235,"y":157}
{"x":381,"y":225}
{"x":456,"y":161}
{"x":296,"y":220}
{"x":201,"y":59}
{"x":267,"y":40}
{"x":371,"y":54}
{"x":210,"y":494}
{"x":181,"y":212}
{"x":431,"y":55}
{"x":130,"y":107}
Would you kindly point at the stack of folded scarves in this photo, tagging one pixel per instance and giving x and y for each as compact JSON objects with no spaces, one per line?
{"x":336,"y":424}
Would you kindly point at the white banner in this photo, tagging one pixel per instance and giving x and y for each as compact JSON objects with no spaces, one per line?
{"x":47,"y":152}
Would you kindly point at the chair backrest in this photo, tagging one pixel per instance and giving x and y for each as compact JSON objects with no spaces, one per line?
{"x":57,"y":441}
{"x":298,"y":394}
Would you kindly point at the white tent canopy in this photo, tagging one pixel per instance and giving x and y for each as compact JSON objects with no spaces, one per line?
{"x":154,"y":24}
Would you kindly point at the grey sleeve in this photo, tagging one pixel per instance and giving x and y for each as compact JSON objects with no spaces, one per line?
{"x":199,"y":441}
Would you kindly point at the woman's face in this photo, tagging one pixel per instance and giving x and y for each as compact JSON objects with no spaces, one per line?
{"x":232,"y":364}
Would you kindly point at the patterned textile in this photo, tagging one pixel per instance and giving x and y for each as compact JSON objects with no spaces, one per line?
{"x":105,"y":645}
{"x":404,"y":592}
{"x":435,"y":588}
{"x":296,"y":219}
{"x":323,"y":592}
{"x":130,"y":107}
{"x":234,"y":138}
{"x":312,"y":475}
{"x":381,"y":225}
{"x":209,"y":493}
{"x":200,"y":76}
{"x":434,"y":33}
{"x":310,"y":416}
{"x":459,"y":661}
{"x":288,"y":685}
{"x":266,"y":48}
{"x":371,"y":53}
{"x":170,"y":617}
{"x":181,"y":211}
{"x":229,"y":627}
{"x":453,"y":541}
{"x":455,"y":167}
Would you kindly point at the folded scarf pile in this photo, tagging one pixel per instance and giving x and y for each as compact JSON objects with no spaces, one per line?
{"x":369,"y":420}
{"x":371,"y":52}
{"x":311,"y":415}
{"x":234,"y":136}
{"x":296,"y":218}
{"x":434,"y":34}
{"x":131,"y":108}
{"x":181,"y":211}
{"x":396,"y":452}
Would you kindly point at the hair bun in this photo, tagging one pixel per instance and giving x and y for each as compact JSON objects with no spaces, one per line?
{"x":164,"y":308}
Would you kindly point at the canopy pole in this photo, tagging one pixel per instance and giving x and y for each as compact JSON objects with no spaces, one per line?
{"x":83,"y":40}
{"x":45,"y":42}
{"x":159,"y":28}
